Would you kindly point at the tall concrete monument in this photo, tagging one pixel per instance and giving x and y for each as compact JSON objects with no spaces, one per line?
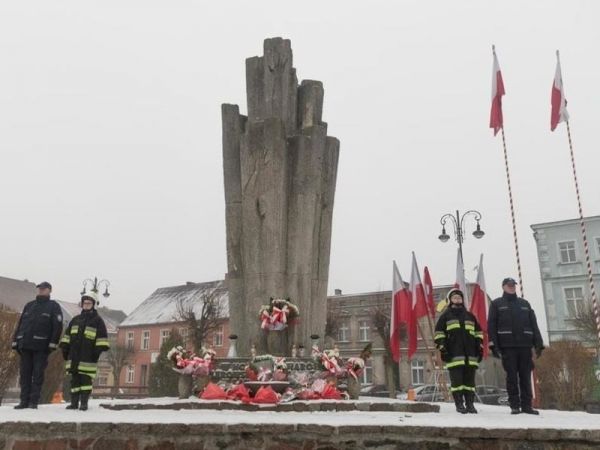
{"x":280,"y":171}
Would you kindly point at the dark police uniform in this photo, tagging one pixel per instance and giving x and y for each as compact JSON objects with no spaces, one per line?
{"x":37,"y":334}
{"x":513,"y":331}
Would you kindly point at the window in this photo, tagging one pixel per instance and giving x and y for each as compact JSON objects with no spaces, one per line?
{"x":145,"y":340}
{"x":144,"y":375}
{"x":184,"y":333}
{"x":164,"y":335}
{"x":567,"y":251}
{"x":102,"y":380}
{"x":130,"y":375}
{"x":367,"y":374}
{"x":417,"y":368}
{"x":344,"y":332}
{"x":129,"y":340}
{"x":363,"y":330}
{"x":598,"y":245}
{"x":218,"y":337}
{"x":574,"y":300}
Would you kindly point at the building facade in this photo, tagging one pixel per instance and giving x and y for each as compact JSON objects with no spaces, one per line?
{"x":145,"y":330}
{"x":563,"y":271}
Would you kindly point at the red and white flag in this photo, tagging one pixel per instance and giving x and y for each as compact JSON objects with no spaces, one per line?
{"x":496,"y":120}
{"x":460,"y":282}
{"x":401,"y":311}
{"x":419,"y":305}
{"x":479,"y":304}
{"x":559,"y":102}
{"x":428,"y":285}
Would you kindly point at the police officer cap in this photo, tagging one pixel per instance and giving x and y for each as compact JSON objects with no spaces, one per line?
{"x":44,"y":285}
{"x":509,"y":281}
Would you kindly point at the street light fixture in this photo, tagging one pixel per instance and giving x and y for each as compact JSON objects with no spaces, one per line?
{"x":458,"y":224}
{"x":96,"y":286}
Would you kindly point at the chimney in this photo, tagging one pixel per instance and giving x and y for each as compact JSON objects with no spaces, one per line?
{"x":338,"y":292}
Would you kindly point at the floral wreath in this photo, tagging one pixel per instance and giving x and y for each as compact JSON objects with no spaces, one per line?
{"x":278,"y":314}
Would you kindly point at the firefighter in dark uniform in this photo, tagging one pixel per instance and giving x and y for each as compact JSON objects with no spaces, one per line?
{"x":513,"y":332}
{"x":459,"y":339}
{"x":85,"y":339}
{"x":37,"y":334}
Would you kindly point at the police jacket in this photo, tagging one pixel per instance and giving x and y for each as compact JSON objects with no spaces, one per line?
{"x":512,"y":323}
{"x":40,"y":326}
{"x":84,"y":340}
{"x":458,"y":336}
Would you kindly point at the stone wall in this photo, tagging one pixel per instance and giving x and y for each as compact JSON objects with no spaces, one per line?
{"x":107,"y":436}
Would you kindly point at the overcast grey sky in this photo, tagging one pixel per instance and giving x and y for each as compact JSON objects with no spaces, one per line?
{"x":110,"y":133}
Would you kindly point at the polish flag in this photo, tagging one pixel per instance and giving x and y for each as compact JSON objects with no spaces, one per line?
{"x":401,"y":311}
{"x":419,"y":306}
{"x":479,"y":304}
{"x":428,"y":285}
{"x":460,"y":278}
{"x":496,"y":120}
{"x":559,"y":102}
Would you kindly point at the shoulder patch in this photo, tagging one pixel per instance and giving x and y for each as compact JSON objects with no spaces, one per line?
{"x":59,"y":317}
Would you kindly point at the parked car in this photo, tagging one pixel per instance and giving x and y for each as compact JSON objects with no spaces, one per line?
{"x":491,"y":395}
{"x":375,"y":390}
{"x":429,"y":393}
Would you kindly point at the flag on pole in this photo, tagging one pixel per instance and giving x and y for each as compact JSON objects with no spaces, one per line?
{"x":419,"y":306}
{"x":428,"y":285}
{"x":496,"y":120}
{"x":559,"y":102}
{"x":460,"y":282}
{"x":479,"y":304}
{"x":401,"y":311}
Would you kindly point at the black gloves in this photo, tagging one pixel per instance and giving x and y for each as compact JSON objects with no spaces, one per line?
{"x":495,"y":352}
{"x":538,"y":351}
{"x":444,"y":353}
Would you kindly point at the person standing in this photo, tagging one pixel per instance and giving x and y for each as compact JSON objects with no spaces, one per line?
{"x":459,"y":339}
{"x":85,"y":339}
{"x":513,"y":332}
{"x":37,"y":334}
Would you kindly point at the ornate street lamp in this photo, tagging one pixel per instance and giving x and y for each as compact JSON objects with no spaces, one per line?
{"x":458,"y":224}
{"x":95,"y":286}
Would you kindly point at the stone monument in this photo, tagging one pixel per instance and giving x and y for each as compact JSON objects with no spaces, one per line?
{"x":280,"y":171}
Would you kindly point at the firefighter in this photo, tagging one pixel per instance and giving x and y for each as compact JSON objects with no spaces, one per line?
{"x":459,"y":339}
{"x":85,"y":339}
{"x":36,"y":336}
{"x":513,"y":333}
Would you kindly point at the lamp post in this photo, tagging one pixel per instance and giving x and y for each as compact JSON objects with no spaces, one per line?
{"x":458,"y":224}
{"x":95,"y":286}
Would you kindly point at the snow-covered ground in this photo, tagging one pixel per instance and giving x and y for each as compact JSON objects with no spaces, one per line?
{"x":489,"y":417}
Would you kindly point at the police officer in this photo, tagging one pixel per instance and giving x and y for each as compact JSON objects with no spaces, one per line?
{"x":84,"y":340}
{"x":513,"y":332}
{"x":36,"y":336}
{"x":459,"y":338}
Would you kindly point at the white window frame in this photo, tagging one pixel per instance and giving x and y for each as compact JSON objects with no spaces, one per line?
{"x":130,"y":374}
{"x":575,"y":300}
{"x":344,"y":332}
{"x":102,"y":380}
{"x":366,"y":377}
{"x":560,"y":258}
{"x":417,"y":367}
{"x":130,"y":340}
{"x":362,"y":328}
{"x":144,"y":382}
{"x":184,"y":333}
{"x":164,"y":337}
{"x":218,"y":336}
{"x":145,"y":345}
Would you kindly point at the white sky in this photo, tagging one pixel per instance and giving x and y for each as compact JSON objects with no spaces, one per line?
{"x":110,"y":133}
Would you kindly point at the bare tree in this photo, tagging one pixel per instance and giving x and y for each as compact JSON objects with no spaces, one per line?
{"x":565,"y":374}
{"x":117,"y":357}
{"x":585,"y":321}
{"x":9,"y":361}
{"x":207,"y":320}
{"x":381,"y":323}
{"x":334,"y":314}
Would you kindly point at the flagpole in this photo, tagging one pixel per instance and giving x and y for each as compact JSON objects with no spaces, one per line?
{"x":583,"y":232}
{"x":512,"y":212}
